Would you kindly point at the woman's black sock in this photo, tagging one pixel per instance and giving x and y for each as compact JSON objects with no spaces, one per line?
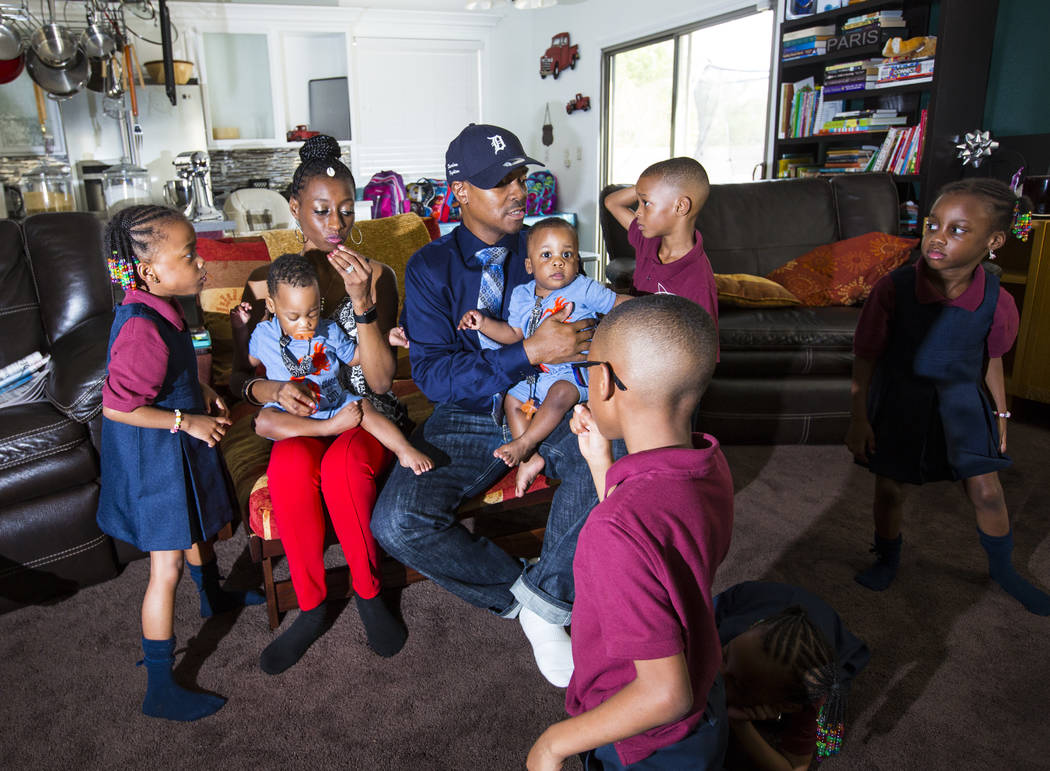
{"x":386,"y":634}
{"x":294,"y":641}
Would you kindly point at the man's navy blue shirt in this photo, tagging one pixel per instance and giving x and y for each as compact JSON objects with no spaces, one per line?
{"x":442,"y":280}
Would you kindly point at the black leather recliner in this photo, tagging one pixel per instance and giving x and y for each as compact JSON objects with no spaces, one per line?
{"x":784,"y":373}
{"x":55,"y":298}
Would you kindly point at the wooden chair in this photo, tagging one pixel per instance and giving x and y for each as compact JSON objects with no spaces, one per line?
{"x":264,"y":546}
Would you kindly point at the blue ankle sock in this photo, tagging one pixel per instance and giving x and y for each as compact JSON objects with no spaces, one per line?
{"x":880,"y":575}
{"x":215,"y":599}
{"x":165,"y":698}
{"x":1000,"y":566}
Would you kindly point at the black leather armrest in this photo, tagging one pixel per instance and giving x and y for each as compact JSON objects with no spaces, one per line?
{"x":78,"y":367}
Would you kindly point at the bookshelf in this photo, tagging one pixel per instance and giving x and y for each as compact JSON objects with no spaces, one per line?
{"x":953,"y":99}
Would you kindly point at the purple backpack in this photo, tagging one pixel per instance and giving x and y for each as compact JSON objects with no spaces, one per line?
{"x":386,"y":190}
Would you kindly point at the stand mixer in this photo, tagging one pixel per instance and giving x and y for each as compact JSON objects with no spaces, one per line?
{"x":191,"y":192}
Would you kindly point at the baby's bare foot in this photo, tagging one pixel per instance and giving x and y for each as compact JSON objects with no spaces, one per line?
{"x":413,"y":459}
{"x":528,"y":470}
{"x":513,"y":453}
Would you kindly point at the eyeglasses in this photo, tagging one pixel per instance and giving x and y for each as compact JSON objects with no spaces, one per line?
{"x":582,"y":376}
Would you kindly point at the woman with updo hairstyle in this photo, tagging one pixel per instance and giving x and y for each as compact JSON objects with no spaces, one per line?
{"x":310,"y":469}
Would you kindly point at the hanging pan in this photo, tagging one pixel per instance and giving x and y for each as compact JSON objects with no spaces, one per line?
{"x":10,"y":41}
{"x":59,"y":82}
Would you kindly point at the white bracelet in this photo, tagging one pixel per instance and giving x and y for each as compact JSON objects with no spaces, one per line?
{"x":178,"y":422}
{"x":1003,"y":415}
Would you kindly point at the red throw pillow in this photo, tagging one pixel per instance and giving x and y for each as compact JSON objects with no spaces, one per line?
{"x":843,"y":273}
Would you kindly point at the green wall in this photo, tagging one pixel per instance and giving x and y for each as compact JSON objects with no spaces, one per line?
{"x":1018,"y":99}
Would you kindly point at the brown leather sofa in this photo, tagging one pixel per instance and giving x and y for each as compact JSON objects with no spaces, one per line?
{"x":784,"y":373}
{"x":54,"y":298}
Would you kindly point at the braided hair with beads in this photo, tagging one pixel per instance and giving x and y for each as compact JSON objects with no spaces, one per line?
{"x":1009,"y":213}
{"x":129,"y":239}
{"x":793,"y":641}
{"x":320,"y":158}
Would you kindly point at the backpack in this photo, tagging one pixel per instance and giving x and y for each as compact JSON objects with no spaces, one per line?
{"x":421,"y":194}
{"x":541,"y":190}
{"x":444,"y":206}
{"x":386,"y":190}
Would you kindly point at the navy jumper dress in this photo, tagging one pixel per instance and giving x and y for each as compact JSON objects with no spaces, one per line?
{"x":932,"y":417}
{"x":162,"y":491}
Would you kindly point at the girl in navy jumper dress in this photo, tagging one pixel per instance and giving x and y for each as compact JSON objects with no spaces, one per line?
{"x":164,"y":487}
{"x":929,"y":400}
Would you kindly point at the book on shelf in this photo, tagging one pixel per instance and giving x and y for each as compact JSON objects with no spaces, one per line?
{"x":853,"y":125}
{"x":887,"y":18}
{"x":824,"y":31}
{"x":871,"y":34}
{"x":901,"y":151}
{"x":848,"y":160}
{"x":817,"y":49}
{"x":902,"y":81}
{"x":892,"y":70}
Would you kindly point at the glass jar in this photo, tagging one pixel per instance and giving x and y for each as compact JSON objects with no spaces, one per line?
{"x":48,"y":187}
{"x":125,"y":185}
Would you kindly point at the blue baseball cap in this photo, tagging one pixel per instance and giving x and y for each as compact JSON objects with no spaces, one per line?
{"x":483,"y":155}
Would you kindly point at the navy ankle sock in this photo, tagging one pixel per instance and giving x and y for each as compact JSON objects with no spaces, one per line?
{"x":880,"y":575}
{"x":215,"y":599}
{"x":386,"y":634}
{"x":1000,"y":566}
{"x":294,"y":641}
{"x":165,"y":698}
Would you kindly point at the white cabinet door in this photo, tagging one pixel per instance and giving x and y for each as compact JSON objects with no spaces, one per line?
{"x":412,"y":97}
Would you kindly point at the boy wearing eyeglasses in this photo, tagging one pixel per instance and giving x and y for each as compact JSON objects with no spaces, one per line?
{"x":534,"y":407}
{"x":646,"y":692}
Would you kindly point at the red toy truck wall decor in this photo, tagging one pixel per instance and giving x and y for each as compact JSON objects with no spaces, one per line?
{"x":559,"y":56}
{"x":581,"y":102}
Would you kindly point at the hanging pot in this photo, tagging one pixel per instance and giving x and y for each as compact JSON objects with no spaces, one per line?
{"x":12,"y":68}
{"x":96,"y":41}
{"x":10,"y":41}
{"x":56,"y":46}
{"x":59,"y":82}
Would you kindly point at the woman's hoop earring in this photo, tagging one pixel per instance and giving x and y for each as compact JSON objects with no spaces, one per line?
{"x":300,"y":237}
{"x":360,"y":236}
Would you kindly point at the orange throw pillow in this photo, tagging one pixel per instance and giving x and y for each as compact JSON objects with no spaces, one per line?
{"x":843,"y":273}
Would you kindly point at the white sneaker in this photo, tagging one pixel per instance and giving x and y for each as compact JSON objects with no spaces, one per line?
{"x":550,"y":646}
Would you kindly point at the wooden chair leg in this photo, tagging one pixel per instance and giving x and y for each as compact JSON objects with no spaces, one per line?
{"x":271,"y":593}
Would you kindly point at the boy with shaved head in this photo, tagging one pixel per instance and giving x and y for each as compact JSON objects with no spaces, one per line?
{"x":646,"y":685}
{"x":662,"y":229}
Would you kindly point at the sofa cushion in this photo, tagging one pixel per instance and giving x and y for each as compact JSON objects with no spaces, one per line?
{"x":786,"y":328}
{"x":41,"y":452}
{"x":756,"y":227}
{"x":747,"y":291}
{"x":843,"y":272}
{"x":229,"y":263}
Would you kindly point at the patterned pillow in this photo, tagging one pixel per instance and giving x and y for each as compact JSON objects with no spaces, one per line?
{"x":749,"y":291}
{"x":843,"y":273}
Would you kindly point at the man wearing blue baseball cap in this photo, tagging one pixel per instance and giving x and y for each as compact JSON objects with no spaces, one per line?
{"x":477,"y":266}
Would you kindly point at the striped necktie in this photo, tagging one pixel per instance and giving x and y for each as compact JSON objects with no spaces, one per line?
{"x":490,"y":294}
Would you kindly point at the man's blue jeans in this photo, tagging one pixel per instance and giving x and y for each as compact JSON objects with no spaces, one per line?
{"x":414,"y":519}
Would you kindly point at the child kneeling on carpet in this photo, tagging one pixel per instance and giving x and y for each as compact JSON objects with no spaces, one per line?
{"x":164,"y":488}
{"x":788,"y":661}
{"x":646,"y":691}
{"x":535,"y":407}
{"x":929,"y":400}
